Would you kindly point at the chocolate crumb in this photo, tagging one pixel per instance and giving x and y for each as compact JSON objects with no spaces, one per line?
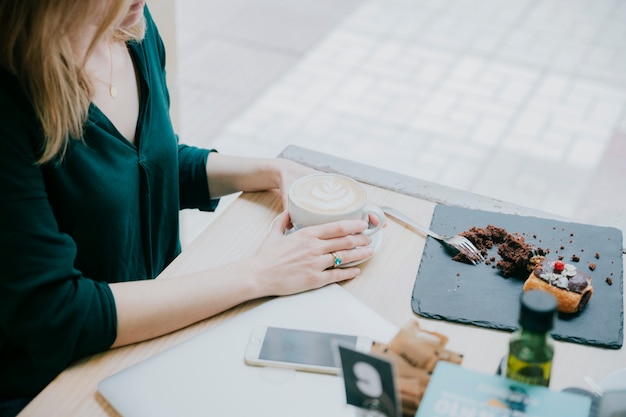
{"x":483,"y":238}
{"x":609,"y":281}
{"x":514,"y":253}
{"x":597,"y":255}
{"x":592,"y":266}
{"x":575,"y":258}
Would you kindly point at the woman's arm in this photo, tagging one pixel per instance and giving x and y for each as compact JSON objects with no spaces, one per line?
{"x":230,"y":174}
{"x":282,"y":265}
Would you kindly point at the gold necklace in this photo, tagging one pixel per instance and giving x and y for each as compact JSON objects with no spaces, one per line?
{"x":112,"y":87}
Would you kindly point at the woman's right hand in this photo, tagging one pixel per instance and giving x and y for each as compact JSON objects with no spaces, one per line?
{"x":283,"y":264}
{"x":304,"y":260}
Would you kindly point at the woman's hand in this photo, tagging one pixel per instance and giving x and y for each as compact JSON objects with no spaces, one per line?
{"x":304,"y":260}
{"x":284,"y":264}
{"x":289,"y":172}
{"x":230,"y":174}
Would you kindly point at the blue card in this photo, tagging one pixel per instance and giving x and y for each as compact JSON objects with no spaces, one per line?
{"x":456,"y":391}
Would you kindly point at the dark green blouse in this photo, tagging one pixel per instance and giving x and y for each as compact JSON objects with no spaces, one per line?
{"x":107,"y":212}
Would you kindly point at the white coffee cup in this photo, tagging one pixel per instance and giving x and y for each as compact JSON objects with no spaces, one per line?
{"x":323,"y":198}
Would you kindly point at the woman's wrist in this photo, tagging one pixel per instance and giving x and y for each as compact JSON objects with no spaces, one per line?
{"x":274,"y":171}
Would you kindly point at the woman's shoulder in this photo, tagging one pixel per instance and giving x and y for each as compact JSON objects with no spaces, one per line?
{"x":11,"y":91}
{"x":19,"y":127}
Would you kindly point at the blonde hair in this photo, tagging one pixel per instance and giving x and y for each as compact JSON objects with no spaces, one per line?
{"x":36,"y":46}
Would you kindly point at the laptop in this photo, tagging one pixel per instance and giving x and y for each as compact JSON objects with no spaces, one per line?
{"x":207,"y":376}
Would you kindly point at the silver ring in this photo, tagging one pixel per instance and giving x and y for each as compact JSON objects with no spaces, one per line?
{"x":336,"y":260}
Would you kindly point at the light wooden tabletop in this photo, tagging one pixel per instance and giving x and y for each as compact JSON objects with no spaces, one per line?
{"x":385,"y":284}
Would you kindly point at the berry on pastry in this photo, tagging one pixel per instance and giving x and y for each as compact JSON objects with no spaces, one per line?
{"x":571,"y":287}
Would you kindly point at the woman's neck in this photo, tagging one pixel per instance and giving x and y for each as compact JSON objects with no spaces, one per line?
{"x":86,"y":46}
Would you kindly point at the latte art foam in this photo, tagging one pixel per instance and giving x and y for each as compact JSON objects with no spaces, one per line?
{"x":328,"y":194}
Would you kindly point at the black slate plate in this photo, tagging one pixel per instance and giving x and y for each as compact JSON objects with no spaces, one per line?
{"x":479,"y":295}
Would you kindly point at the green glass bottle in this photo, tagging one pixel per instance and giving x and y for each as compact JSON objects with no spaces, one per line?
{"x":531,"y":347}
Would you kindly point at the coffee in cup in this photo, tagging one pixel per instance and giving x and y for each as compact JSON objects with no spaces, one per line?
{"x":322,"y":198}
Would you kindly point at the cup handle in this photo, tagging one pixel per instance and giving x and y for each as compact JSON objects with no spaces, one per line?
{"x":376,"y":212}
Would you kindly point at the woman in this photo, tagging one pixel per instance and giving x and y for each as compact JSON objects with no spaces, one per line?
{"x":91,"y":182}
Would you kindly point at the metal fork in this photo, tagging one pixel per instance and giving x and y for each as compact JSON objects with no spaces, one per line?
{"x":458,"y":242}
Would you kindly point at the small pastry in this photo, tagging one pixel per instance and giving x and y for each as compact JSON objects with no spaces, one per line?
{"x":571,"y":287}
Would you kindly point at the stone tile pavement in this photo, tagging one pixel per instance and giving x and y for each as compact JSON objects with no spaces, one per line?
{"x":523,"y":100}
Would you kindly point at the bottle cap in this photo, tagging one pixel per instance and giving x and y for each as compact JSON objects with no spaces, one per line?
{"x":537,"y":311}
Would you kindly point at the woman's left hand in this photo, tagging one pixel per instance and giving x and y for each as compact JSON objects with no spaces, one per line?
{"x":289,"y":172}
{"x":230,"y":174}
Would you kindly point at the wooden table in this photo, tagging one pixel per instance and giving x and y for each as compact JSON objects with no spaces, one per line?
{"x":385,"y":284}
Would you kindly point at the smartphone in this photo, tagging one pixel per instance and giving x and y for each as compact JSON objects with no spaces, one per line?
{"x":302,"y":350}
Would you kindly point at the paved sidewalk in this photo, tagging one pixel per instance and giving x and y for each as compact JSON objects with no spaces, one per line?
{"x":522,"y":100}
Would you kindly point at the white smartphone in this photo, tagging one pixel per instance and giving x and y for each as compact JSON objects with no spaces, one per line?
{"x":302,"y":350}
